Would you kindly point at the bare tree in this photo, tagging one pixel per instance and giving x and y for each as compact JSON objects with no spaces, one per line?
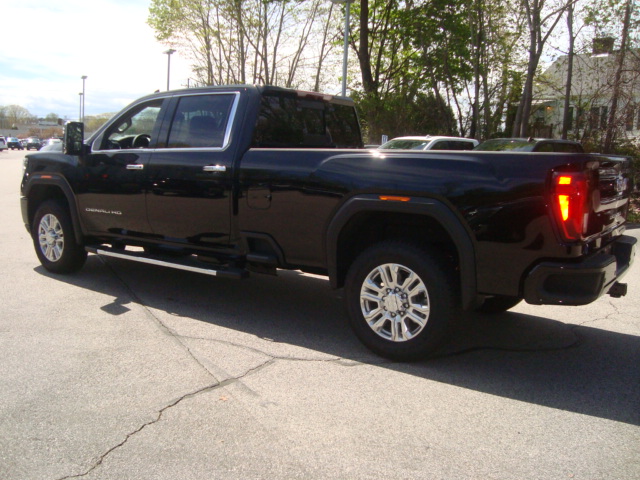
{"x":542,"y":19}
{"x":615,"y":97}
{"x":249,"y":41}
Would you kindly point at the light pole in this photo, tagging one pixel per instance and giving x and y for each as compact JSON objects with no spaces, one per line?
{"x":345,"y":54}
{"x":80,"y":108}
{"x":169,"y":52}
{"x":84,"y":78}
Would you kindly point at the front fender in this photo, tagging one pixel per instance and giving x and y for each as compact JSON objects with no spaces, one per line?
{"x":43,"y":186}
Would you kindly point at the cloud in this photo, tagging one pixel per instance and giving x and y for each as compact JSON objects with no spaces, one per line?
{"x":55,"y":43}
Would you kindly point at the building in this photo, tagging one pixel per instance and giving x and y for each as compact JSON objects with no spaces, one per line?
{"x":591,"y":94}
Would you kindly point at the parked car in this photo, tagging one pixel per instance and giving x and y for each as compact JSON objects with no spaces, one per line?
{"x":51,"y":141}
{"x":3,"y":144}
{"x":52,"y":147}
{"x":429,"y":143}
{"x":13,"y":143}
{"x":530,"y":145}
{"x":33,"y":142}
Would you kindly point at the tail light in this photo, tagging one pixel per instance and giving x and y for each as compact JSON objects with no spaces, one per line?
{"x":570,"y":203}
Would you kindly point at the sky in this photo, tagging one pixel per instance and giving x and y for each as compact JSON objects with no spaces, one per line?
{"x":47,"y":46}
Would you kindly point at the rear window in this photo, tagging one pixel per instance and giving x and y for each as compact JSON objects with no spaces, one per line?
{"x":287,"y":120}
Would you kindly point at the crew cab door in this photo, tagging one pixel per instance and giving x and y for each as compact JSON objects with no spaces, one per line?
{"x":189,"y":199}
{"x":111,"y":194}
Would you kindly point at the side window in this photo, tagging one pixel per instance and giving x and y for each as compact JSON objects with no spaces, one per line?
{"x":200,"y":121}
{"x":567,"y":148}
{"x":441,"y":145}
{"x":544,"y":147}
{"x":464,"y":145}
{"x":134,"y":128}
{"x":287,"y":121}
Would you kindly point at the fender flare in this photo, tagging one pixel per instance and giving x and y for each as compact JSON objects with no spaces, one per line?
{"x":428,"y":207}
{"x":60,"y":183}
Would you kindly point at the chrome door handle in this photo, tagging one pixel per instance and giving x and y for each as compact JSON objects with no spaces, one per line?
{"x":215,"y":168}
{"x":135,"y":166}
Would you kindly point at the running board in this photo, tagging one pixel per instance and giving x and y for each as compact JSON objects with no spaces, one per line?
{"x":180,"y":264}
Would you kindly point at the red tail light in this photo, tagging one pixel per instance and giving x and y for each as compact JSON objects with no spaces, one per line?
{"x":571,"y":208}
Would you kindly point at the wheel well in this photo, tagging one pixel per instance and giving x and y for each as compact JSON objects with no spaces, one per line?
{"x":367,"y":228}
{"x":41,"y":193}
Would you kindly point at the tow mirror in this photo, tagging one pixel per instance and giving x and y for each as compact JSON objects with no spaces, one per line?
{"x":74,"y":138}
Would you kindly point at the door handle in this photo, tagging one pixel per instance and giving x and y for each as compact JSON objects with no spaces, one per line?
{"x":135,"y":166}
{"x":214,"y":168}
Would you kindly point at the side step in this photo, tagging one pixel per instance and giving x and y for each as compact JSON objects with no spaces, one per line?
{"x":187,"y":264}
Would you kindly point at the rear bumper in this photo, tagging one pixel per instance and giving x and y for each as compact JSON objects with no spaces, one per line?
{"x":563,"y":283}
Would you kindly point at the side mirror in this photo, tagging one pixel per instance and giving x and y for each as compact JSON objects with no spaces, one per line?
{"x":74,"y":138}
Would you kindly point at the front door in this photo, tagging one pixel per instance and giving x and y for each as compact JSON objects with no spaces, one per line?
{"x":112,"y":190}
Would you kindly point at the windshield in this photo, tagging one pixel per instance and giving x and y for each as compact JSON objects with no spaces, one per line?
{"x":404,"y":144}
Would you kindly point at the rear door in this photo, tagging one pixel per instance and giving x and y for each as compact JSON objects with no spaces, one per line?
{"x":189,"y":199}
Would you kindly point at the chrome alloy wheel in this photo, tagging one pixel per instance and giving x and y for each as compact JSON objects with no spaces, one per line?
{"x":394,"y":302}
{"x":51,"y":237}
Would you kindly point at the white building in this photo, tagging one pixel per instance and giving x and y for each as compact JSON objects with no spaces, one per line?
{"x":591,"y":93}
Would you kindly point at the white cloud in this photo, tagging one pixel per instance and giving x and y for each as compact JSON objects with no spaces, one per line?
{"x":54,"y":44}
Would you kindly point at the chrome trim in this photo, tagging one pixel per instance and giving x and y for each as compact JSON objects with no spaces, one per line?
{"x":135,"y":166}
{"x":160,"y":263}
{"x":214,"y":168}
{"x":227,"y":133}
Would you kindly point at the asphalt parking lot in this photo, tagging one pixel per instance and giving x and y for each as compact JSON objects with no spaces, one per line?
{"x":129,"y":371}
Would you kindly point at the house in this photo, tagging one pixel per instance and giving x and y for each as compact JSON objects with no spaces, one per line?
{"x":591,"y":94}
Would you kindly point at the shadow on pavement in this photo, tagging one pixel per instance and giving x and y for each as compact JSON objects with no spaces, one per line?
{"x":522,"y":357}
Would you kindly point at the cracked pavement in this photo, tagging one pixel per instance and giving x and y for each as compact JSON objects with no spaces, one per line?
{"x":128,"y":371}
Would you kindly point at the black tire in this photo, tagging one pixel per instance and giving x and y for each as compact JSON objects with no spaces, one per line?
{"x":498,"y":304}
{"x":420,"y":297}
{"x":54,"y":239}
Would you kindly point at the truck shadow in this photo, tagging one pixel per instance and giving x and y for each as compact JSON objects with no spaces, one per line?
{"x":522,"y":357}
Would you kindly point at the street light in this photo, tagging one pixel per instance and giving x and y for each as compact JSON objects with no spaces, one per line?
{"x":80,"y":108}
{"x":169,"y":52}
{"x":83,"y":77}
{"x":345,"y":54}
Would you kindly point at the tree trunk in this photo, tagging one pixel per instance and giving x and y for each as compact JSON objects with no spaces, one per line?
{"x":566,"y":117}
{"x":612,"y":124}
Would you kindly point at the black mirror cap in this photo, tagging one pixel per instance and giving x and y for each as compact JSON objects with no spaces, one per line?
{"x":74,"y":138}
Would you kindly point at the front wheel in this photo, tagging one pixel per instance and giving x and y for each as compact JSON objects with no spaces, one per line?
{"x":401,"y":300}
{"x":54,"y":239}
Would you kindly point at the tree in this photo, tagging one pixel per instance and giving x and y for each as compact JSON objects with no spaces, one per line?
{"x":407,"y":52}
{"x":249,"y":41}
{"x":566,"y":117}
{"x":496,"y":28}
{"x":17,"y":115}
{"x":542,"y":19}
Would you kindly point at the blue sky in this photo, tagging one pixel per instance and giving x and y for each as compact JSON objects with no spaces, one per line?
{"x":47,"y":46}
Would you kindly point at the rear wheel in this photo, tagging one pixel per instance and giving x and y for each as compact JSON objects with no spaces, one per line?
{"x":401,"y":300}
{"x":54,"y":239}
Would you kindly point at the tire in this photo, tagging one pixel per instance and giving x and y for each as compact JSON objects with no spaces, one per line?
{"x":54,"y":239}
{"x":498,"y":304}
{"x":406,"y":316}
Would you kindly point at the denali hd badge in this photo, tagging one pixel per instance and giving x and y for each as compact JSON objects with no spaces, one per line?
{"x":102,"y":210}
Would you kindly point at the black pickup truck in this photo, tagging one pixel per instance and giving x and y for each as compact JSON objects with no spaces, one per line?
{"x":231,"y":180}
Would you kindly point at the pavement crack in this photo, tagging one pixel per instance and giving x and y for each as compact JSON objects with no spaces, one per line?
{"x":209,"y":388}
{"x":163,"y":327}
